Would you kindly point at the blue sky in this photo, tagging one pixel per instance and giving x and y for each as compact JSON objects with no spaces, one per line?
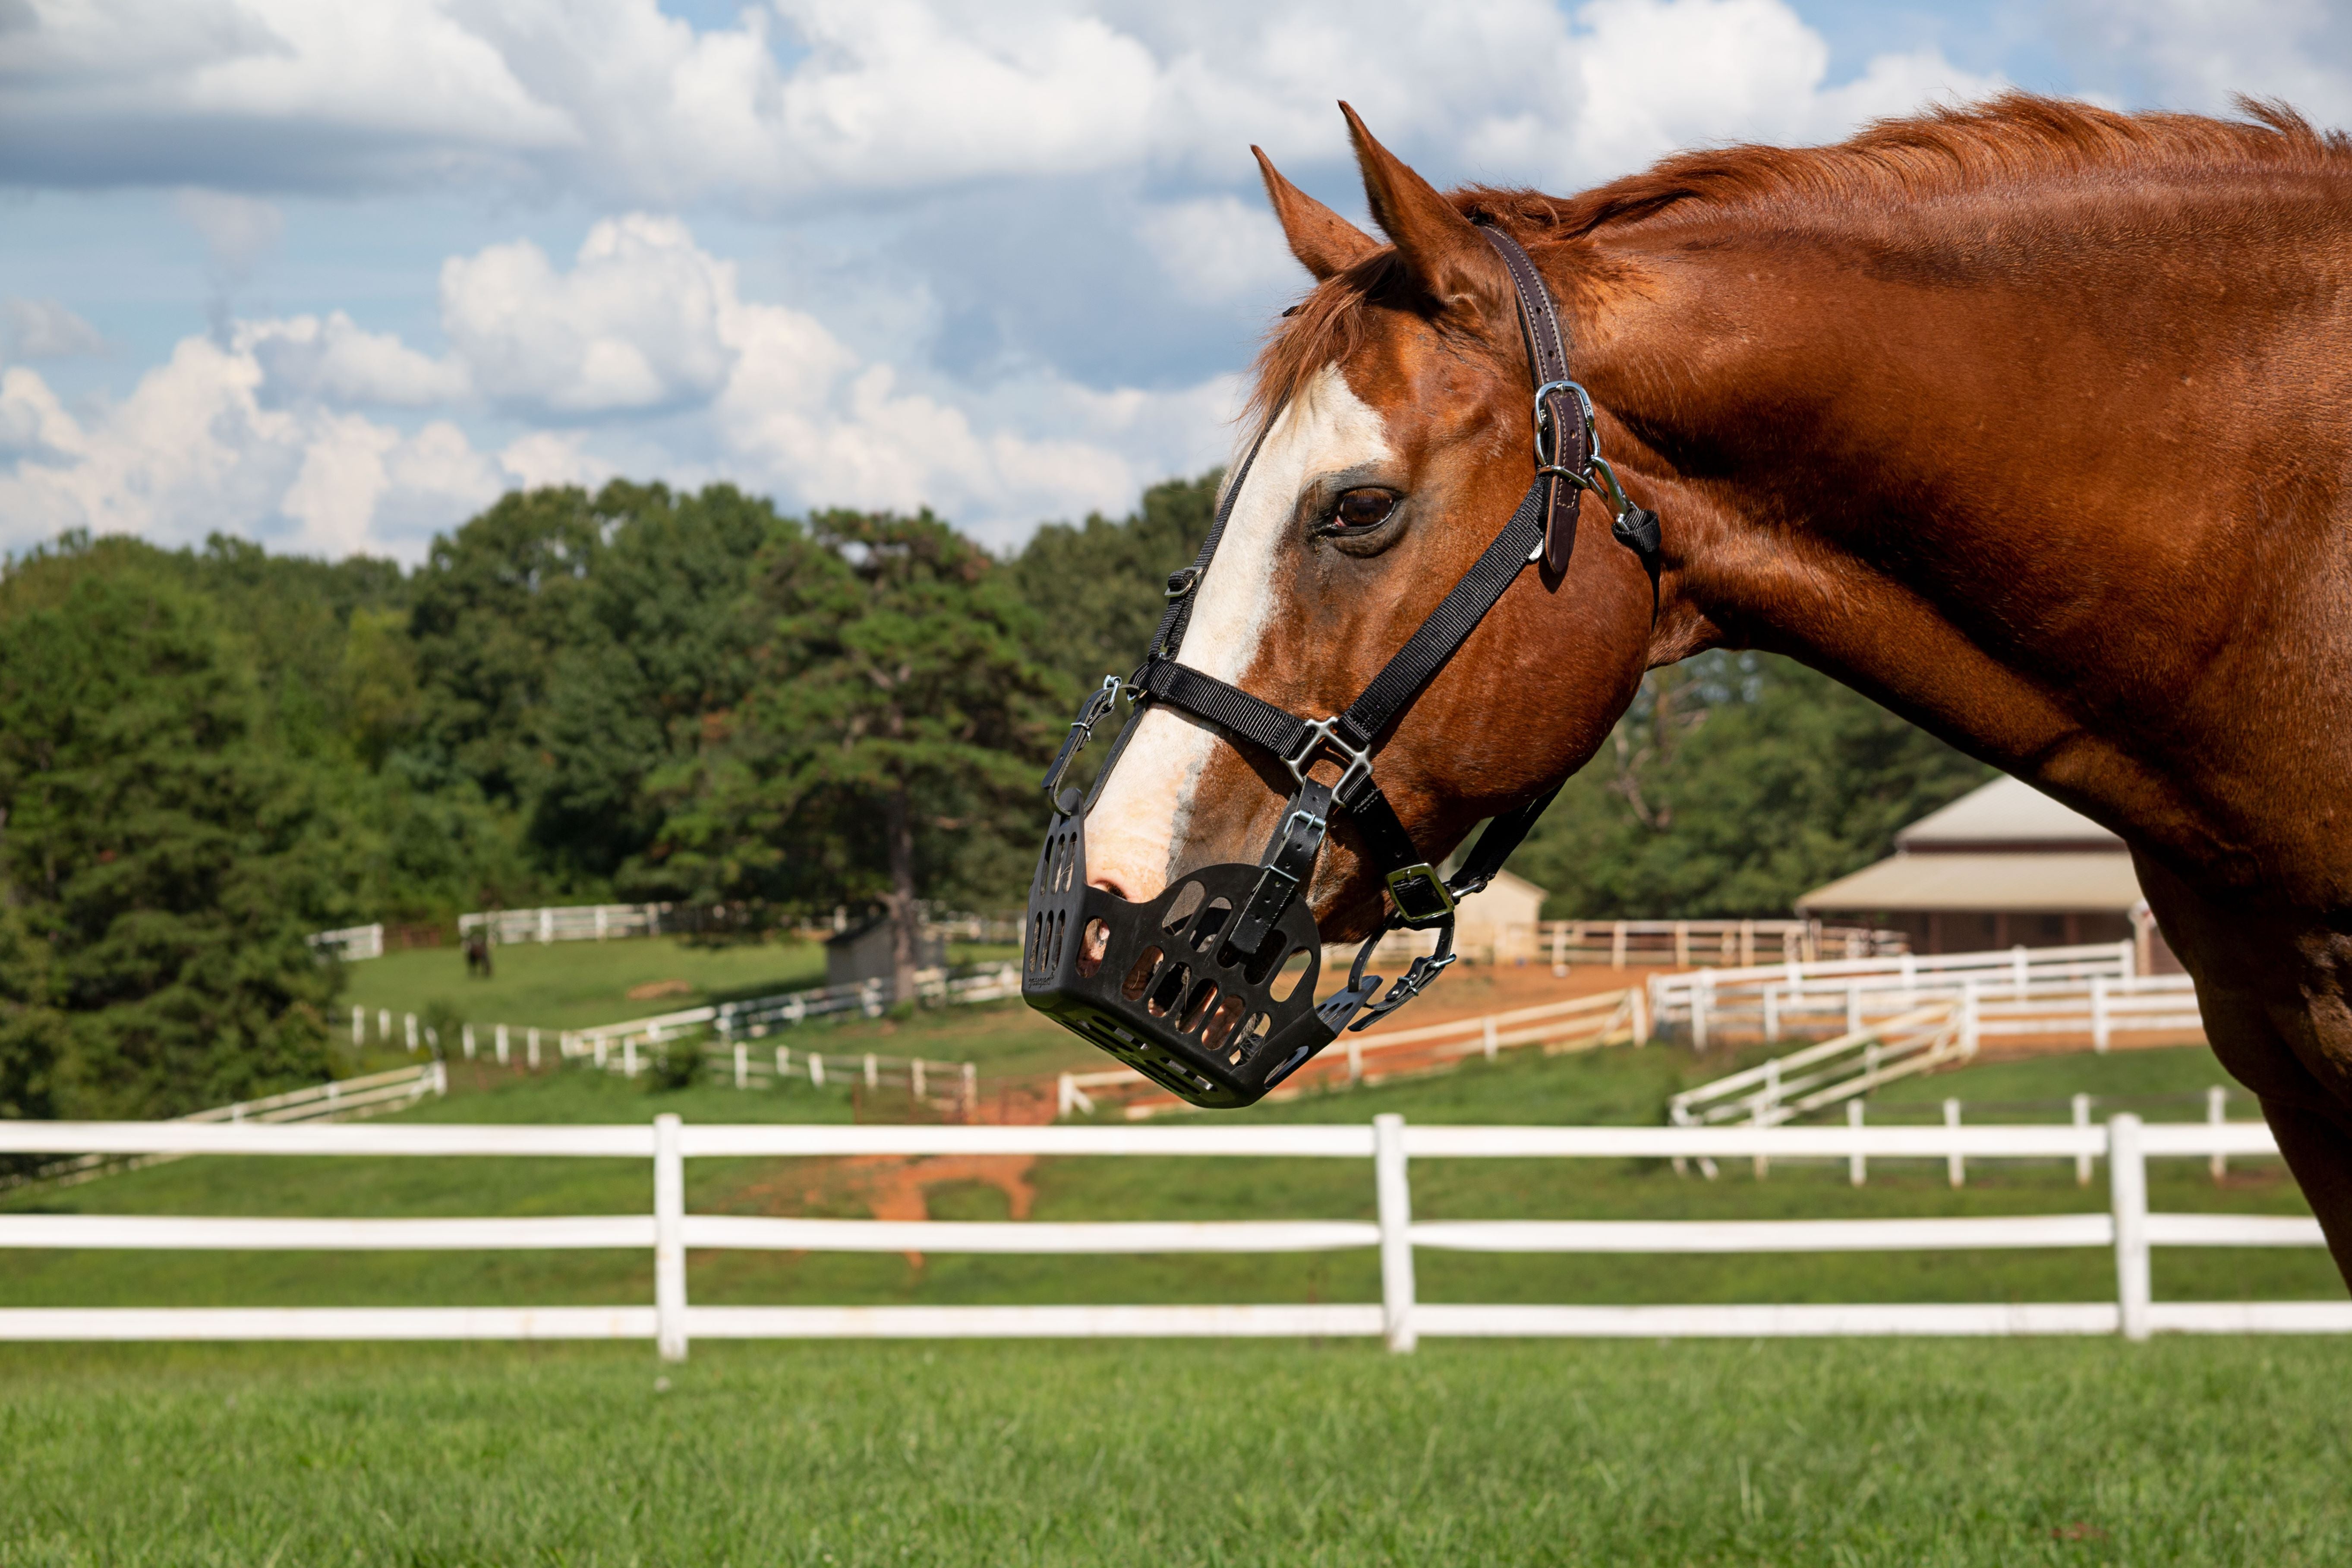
{"x":333,"y":276}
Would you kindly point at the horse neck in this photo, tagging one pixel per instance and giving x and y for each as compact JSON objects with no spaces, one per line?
{"x":2030,"y":509}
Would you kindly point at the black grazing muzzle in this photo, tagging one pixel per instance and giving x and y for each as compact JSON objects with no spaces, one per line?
{"x":1209,"y":989}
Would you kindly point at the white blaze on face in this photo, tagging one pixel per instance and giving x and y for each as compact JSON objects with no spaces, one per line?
{"x":1140,"y":823}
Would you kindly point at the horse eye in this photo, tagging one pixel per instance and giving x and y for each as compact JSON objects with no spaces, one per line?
{"x":1363,"y":509}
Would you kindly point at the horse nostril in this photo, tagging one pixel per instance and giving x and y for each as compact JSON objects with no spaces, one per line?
{"x":1112,"y":886}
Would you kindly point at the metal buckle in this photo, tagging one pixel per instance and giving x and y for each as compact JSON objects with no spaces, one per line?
{"x":1091,"y":712}
{"x":1323,"y":735}
{"x":1421,"y":896}
{"x":1182,"y":581}
{"x":1548,"y":434}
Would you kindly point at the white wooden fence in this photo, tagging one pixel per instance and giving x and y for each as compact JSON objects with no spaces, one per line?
{"x":2090,"y":993}
{"x":574,"y":923}
{"x":351,"y":943}
{"x":2126,"y":1226}
{"x":1620,"y":943}
{"x":342,"y":1100}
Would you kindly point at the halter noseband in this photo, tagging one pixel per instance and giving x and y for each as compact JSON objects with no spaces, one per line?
{"x":1188,"y":987}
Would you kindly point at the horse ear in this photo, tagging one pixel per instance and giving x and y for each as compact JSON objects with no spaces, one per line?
{"x":1324,"y":242}
{"x":1437,"y":244}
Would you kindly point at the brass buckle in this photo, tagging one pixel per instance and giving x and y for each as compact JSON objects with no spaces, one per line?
{"x":1421,"y":896}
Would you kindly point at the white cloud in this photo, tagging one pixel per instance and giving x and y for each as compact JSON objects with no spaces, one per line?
{"x":337,"y":361}
{"x":45,"y":328}
{"x":613,"y":99}
{"x":263,"y":431}
{"x":1219,"y":249}
{"x":195,"y":448}
{"x":2198,"y":54}
{"x":640,"y":320}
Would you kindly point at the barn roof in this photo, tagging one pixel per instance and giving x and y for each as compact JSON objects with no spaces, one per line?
{"x":2007,"y":812}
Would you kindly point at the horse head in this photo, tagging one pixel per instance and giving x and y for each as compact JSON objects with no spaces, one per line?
{"x":1395,"y":405}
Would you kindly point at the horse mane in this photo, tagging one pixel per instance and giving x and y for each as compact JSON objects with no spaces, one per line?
{"x":2012,"y":139}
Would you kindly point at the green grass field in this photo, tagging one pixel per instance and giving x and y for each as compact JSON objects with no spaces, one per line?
{"x":1842,"y":1453}
{"x":1858,"y":1451}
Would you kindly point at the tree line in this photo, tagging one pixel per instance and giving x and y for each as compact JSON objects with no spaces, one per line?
{"x":643,"y":694}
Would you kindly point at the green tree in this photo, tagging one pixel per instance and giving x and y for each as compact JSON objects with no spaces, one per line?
{"x":1735,"y":782}
{"x":898,"y":725}
{"x":161,"y":858}
{"x":1098,"y":587}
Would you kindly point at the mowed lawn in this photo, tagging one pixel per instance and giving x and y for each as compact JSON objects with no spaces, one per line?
{"x":2194,"y":1452}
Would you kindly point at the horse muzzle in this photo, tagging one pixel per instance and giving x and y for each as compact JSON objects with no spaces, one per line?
{"x":1160,"y":986}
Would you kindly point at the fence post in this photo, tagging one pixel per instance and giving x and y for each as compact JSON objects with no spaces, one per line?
{"x":742,"y":1065}
{"x":629,"y":1056}
{"x":2099,"y":1013}
{"x":1969,"y":1021}
{"x":498,"y":1043}
{"x":970,"y":1090}
{"x":412,"y":1031}
{"x":1395,"y":1200}
{"x":2127,"y":1188}
{"x":384,"y":1025}
{"x":1559,"y":949}
{"x":816,"y":1069}
{"x":1639,"y":998}
{"x":466,"y":1035}
{"x":1488,"y":1035}
{"x":669,"y":1240}
{"x":1955,"y":1167}
{"x":784,"y":1064}
{"x":2081,"y":1162}
{"x":1856,"y":1168}
{"x":358,"y":1027}
{"x":873,"y":1071}
{"x":2218,"y":1162}
{"x":530,"y":1048}
{"x":1617,"y":946}
{"x":1682,"y":944}
{"x":1699,"y":992}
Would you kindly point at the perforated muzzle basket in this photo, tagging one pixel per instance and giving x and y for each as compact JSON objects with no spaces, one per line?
{"x":1157,"y":986}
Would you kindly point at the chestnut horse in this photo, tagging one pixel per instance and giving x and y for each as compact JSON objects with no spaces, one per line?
{"x":2029,"y":420}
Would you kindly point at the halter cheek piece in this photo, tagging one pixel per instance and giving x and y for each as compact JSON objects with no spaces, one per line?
{"x":1198,"y":989}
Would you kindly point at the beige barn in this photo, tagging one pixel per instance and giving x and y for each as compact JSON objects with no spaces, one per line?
{"x":2003,"y":866}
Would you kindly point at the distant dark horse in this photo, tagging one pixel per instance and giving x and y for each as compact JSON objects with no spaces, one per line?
{"x":2031,"y":421}
{"x":477,"y":956}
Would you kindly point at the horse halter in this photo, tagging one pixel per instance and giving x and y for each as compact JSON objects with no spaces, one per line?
{"x":1197,"y":989}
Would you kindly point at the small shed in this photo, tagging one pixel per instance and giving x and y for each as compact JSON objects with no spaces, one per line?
{"x":1498,"y":923}
{"x":2003,"y":866}
{"x":865,"y":950}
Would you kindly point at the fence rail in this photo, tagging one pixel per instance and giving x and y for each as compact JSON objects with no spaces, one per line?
{"x":351,"y":943}
{"x":1625,"y":944}
{"x":2075,"y":993}
{"x":2126,"y":1227}
{"x":1610,"y":1017}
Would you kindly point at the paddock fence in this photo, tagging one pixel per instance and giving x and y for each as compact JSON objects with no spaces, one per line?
{"x":2126,"y":1227}
{"x":1584,"y":1023}
{"x":341,"y":1099}
{"x":350,"y":943}
{"x":2089,"y":995}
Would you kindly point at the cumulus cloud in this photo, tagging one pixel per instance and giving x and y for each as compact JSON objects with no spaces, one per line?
{"x":642,"y":320}
{"x":45,"y":328}
{"x":618,"y":100}
{"x":267,"y":429}
{"x":2196,"y":54}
